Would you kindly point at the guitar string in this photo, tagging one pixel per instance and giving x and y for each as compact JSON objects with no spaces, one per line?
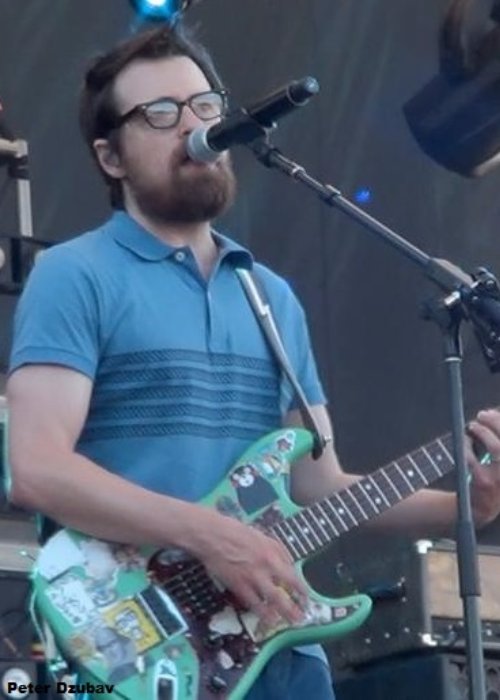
{"x":184,"y":584}
{"x":363,"y":500}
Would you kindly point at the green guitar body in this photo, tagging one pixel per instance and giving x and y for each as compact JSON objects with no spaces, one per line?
{"x":152,"y":624}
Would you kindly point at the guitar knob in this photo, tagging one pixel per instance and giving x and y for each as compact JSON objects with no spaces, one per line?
{"x":213,"y":641}
{"x":217,"y":684}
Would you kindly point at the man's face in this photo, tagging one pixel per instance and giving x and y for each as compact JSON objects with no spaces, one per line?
{"x":153,"y":164}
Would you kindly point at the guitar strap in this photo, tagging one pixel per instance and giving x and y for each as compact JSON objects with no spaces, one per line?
{"x":262,"y":311}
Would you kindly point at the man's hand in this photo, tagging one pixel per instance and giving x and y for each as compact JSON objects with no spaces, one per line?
{"x":256,"y":568}
{"x":485,"y":486}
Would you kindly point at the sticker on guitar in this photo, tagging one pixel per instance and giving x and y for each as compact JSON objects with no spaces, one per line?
{"x":216,"y":647}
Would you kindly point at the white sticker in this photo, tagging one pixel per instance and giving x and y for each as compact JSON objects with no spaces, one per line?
{"x":225,"y":622}
{"x":99,"y":560}
{"x":58,"y":556}
{"x":71,"y":599}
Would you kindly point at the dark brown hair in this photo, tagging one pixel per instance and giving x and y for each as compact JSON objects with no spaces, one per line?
{"x":97,"y":108}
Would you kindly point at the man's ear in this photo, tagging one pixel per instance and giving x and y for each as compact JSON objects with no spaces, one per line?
{"x":109,"y":159}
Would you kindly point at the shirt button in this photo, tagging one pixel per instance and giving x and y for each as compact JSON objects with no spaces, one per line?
{"x":180,"y":256}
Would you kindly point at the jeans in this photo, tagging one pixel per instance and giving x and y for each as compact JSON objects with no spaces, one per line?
{"x":291,"y":675}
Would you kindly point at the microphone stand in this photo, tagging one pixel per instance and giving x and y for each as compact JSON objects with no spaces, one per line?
{"x":475,"y":298}
{"x":15,"y":153}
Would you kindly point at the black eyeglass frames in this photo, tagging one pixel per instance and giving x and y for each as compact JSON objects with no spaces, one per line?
{"x":165,"y":112}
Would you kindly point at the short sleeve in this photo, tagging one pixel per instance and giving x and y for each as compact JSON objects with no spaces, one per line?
{"x":56,"y":320}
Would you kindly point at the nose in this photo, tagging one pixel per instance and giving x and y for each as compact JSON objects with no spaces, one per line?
{"x":188,"y":121}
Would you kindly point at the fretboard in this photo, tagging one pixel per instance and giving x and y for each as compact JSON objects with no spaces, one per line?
{"x":311,"y":529}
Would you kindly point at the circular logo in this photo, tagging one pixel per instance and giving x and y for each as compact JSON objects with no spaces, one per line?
{"x":18,"y":676}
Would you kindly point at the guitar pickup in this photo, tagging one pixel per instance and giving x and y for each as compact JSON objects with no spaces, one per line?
{"x":163,"y":611}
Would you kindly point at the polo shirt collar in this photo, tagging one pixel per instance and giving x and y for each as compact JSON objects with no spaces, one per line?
{"x":131,"y":235}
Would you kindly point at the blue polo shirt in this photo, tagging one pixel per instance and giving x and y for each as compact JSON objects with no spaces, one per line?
{"x":183,"y":379}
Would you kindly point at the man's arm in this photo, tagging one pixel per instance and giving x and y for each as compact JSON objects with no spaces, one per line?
{"x":47,"y":408}
{"x":426,"y":513}
{"x":48,"y":405}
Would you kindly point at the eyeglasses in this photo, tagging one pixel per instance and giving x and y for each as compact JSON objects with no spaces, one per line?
{"x":165,"y":112}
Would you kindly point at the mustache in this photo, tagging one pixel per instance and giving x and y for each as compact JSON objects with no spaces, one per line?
{"x":180,"y":155}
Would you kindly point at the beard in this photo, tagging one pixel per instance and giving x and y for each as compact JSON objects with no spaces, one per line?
{"x":193,"y":193}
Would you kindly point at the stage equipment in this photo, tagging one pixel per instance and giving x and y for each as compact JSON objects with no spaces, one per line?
{"x":17,"y":634}
{"x":455,"y":117}
{"x":475,"y":298}
{"x":18,"y":254}
{"x":17,"y":251}
{"x":421,"y":676}
{"x":18,"y":551}
{"x":415,"y":591}
{"x":161,"y":10}
{"x":14,"y":155}
{"x":16,"y":629}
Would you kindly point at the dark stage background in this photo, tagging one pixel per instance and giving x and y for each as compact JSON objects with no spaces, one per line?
{"x":381,"y":364}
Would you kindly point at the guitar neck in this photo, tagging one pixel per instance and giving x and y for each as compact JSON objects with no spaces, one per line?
{"x":312,"y":528}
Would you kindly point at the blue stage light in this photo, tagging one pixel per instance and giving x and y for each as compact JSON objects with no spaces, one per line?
{"x":363,"y":195}
{"x":160,"y":10}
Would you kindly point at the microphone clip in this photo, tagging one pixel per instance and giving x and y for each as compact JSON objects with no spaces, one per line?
{"x":474,"y":298}
{"x":481,"y":301}
{"x":241,"y":127}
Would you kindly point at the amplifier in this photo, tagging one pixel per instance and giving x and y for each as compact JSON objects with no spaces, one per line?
{"x":433,"y":676}
{"x":18,"y":545}
{"x":417,"y":605}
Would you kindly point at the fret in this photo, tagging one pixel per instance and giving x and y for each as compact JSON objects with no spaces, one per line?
{"x":321,"y":521}
{"x":434,"y":461}
{"x":406,"y":465}
{"x":326,"y":517}
{"x":383,"y":472}
{"x":366,"y":488}
{"x":320,"y":534}
{"x":445,"y":449}
{"x":309,"y":528}
{"x":289,"y":540}
{"x":413,"y":459}
{"x":346,"y":509}
{"x":403,"y":477}
{"x":372,"y":480}
{"x":294,"y":528}
{"x":439,"y":459}
{"x":328,"y":502}
{"x":426,"y":464}
{"x":362,"y":501}
{"x":304,"y":532}
{"x":356,"y":511}
{"x":342,"y":509}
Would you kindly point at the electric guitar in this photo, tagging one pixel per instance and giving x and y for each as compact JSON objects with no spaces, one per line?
{"x":138,"y":622}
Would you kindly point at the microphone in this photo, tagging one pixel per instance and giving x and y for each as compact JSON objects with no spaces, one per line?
{"x":204,"y":145}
